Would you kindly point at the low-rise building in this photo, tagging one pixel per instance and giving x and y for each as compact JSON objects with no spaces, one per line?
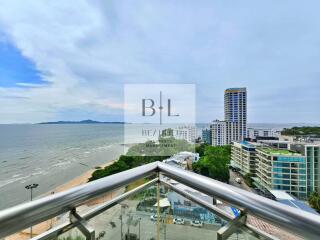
{"x":187,"y":133}
{"x":280,"y":165}
{"x":275,"y":144}
{"x":253,"y":133}
{"x":312,"y":153}
{"x":243,"y":157}
{"x":183,"y":160}
{"x":206,"y":136}
{"x":280,"y":169}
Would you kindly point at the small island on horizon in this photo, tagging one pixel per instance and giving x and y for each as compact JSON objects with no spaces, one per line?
{"x":88,"y":121}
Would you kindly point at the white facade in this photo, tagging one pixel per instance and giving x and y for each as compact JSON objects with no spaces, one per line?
{"x":218,"y":133}
{"x":263,"y":132}
{"x":183,"y":160}
{"x":223,"y":132}
{"x":234,"y":126}
{"x":243,"y":156}
{"x":187,"y":133}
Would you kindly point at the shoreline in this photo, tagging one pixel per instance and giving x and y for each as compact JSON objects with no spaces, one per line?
{"x":77,"y":181}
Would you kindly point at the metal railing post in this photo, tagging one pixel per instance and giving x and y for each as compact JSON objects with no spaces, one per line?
{"x":158,"y":206}
{"x":82,"y":225}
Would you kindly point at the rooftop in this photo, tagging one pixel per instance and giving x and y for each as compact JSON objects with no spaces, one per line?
{"x":247,"y":144}
{"x":236,"y":89}
{"x":282,"y":152}
{"x":285,"y":198}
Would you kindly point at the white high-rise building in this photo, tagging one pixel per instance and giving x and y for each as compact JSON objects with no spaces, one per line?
{"x":234,"y":126}
{"x":218,"y":133}
{"x":222,"y":132}
{"x":235,"y":111}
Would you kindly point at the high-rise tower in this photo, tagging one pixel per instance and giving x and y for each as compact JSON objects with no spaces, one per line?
{"x":235,"y":111}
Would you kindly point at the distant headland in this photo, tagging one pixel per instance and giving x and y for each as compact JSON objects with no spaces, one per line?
{"x":81,"y":122}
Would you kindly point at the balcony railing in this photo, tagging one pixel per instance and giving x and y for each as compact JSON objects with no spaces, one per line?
{"x":288,"y":219}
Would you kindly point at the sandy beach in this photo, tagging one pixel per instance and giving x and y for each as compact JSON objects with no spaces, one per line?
{"x":82,"y":179}
{"x":44,"y":226}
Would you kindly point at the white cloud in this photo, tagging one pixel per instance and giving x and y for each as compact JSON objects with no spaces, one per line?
{"x":56,"y":36}
{"x":86,"y":50}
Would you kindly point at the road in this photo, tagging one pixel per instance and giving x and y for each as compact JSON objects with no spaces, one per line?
{"x":243,"y":185}
{"x":148,"y":228}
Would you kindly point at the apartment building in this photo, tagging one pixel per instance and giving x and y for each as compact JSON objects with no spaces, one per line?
{"x":206,"y":136}
{"x":312,"y":153}
{"x":275,"y":144}
{"x":243,"y":157}
{"x":293,"y":167}
{"x":280,"y":169}
{"x":234,"y":126}
{"x":218,"y":131}
{"x":253,"y":133}
{"x":187,"y":133}
{"x":223,"y":132}
{"x":235,"y":110}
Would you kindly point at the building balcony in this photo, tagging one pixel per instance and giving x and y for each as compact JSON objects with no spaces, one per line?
{"x":171,"y":203}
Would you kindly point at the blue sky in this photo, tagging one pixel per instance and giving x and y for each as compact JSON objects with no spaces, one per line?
{"x":16,"y":69}
{"x":59,"y":62}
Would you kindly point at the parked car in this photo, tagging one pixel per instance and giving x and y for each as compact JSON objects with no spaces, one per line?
{"x":131,"y":236}
{"x":178,"y":221}
{"x":154,"y":217}
{"x":238,"y":180}
{"x":197,"y":223}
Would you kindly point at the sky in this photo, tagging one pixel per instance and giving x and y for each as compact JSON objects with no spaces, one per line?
{"x":70,"y":60}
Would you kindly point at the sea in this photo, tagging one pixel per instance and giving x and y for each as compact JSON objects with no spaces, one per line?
{"x":53,"y":154}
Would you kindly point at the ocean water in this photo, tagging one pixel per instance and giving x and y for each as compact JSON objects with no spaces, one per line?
{"x":51,"y":155}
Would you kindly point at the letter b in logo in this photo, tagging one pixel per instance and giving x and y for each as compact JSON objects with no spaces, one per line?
{"x":150,"y":106}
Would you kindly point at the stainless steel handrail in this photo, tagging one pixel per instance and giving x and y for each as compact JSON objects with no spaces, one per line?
{"x":294,"y":220}
{"x":25,"y":215}
{"x":217,"y":211}
{"x":62,"y":228}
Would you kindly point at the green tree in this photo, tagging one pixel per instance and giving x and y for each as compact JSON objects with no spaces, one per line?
{"x":248,"y":179}
{"x":142,"y":153}
{"x":302,"y":131}
{"x":72,"y":238}
{"x":200,"y":149}
{"x":214,"y":163}
{"x":314,"y":201}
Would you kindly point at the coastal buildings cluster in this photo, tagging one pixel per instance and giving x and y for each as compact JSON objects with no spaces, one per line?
{"x":234,"y":125}
{"x":273,"y":162}
{"x":279,"y":165}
